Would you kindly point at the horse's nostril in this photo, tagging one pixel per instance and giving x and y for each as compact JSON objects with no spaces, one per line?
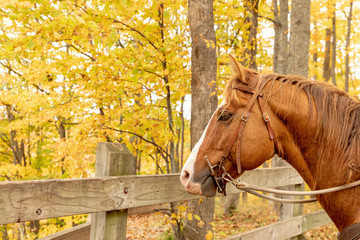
{"x":185,"y":175}
{"x":191,"y":187}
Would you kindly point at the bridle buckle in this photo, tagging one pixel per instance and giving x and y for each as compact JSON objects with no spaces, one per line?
{"x":245,"y":116}
{"x":266,"y":117}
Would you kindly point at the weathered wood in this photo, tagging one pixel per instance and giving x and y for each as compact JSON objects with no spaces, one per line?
{"x":276,"y":231}
{"x":80,"y":232}
{"x":271,"y":177}
{"x":309,"y":221}
{"x":112,"y":159}
{"x":314,"y":220}
{"x":287,"y":228}
{"x":297,"y":208}
{"x":42,"y":199}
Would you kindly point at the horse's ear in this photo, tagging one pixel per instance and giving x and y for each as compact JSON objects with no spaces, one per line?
{"x":237,"y":70}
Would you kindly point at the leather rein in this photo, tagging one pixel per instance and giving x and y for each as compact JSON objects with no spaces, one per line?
{"x":257,"y":94}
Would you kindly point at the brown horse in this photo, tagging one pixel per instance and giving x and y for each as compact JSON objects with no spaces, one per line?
{"x":314,"y":126}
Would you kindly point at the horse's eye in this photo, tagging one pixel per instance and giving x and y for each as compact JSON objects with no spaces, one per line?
{"x":225,"y":116}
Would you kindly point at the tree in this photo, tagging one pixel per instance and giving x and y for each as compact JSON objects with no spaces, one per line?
{"x":249,"y":41}
{"x":348,"y":33}
{"x":333,"y":47}
{"x":90,"y":72}
{"x":326,"y":66}
{"x":281,"y":36}
{"x":299,"y":44}
{"x":203,"y":96}
{"x":299,"y":38}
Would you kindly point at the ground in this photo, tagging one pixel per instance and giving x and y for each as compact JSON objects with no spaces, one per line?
{"x":256,"y":213}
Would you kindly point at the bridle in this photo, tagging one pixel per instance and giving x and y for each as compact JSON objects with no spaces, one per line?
{"x":221,"y":177}
{"x":257,"y":94}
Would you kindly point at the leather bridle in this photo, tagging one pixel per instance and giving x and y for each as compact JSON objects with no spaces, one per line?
{"x":257,"y":94}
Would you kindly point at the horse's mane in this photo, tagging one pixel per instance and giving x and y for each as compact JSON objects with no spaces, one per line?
{"x":337,"y":119}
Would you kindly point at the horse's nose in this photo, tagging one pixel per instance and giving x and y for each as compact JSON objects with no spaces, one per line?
{"x":191,"y":187}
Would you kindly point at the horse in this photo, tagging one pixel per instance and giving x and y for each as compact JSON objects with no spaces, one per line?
{"x":312,"y":125}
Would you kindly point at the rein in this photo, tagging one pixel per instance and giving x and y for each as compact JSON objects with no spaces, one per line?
{"x":252,"y":190}
{"x":226,"y":177}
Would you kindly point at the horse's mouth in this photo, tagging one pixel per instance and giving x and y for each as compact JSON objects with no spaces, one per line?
{"x":208,"y":187}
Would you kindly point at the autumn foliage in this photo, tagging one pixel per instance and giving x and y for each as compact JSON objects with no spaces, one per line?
{"x":74,"y":73}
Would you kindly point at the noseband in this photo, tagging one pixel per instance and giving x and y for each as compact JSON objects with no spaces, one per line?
{"x":257,"y":94}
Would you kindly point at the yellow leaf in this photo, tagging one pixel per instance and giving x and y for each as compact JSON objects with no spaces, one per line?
{"x":182,"y":208}
{"x":197,"y":217}
{"x":190,"y":216}
{"x":200,"y":224}
{"x":166,"y":72}
{"x":209,"y":235}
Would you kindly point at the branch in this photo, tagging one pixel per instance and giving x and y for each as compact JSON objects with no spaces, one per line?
{"x":141,"y":137}
{"x":85,"y":54}
{"x":11,"y":70}
{"x":5,"y":139}
{"x":9,"y":106}
{"x":40,"y":89}
{"x":267,"y":18}
{"x":5,"y":176}
{"x":20,"y":75}
{"x":135,"y":30}
{"x":148,"y":71}
{"x":5,"y":153}
{"x":124,"y":24}
{"x":164,"y":211}
{"x":157,"y":164}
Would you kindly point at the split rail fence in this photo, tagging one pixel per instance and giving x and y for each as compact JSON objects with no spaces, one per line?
{"x":110,"y":197}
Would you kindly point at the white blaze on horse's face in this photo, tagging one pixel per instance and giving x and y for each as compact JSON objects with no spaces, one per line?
{"x":187,"y":171}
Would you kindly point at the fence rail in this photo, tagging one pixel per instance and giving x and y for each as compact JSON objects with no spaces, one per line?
{"x":42,"y":199}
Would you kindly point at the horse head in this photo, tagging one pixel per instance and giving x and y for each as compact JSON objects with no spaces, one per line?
{"x":235,"y":139}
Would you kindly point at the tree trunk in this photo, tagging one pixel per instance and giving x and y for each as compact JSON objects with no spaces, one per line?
{"x":280,"y":66}
{"x":333,"y":48}
{"x":281,"y":36}
{"x":203,"y":97}
{"x":299,"y":38}
{"x":326,"y":68}
{"x":62,"y":134}
{"x":17,"y":150}
{"x":35,"y":228}
{"x":299,"y":46}
{"x":347,"y":67}
{"x":182,"y":132}
{"x":174,"y":163}
{"x":249,"y":42}
{"x":102,"y":113}
{"x":4,"y":232}
{"x":315,"y":54}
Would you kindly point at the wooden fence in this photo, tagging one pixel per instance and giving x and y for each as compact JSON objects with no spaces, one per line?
{"x":110,"y":197}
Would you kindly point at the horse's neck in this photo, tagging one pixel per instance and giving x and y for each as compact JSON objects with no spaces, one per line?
{"x":299,"y":147}
{"x":295,"y":142}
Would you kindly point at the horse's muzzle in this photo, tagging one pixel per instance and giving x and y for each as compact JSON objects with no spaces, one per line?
{"x":208,"y":187}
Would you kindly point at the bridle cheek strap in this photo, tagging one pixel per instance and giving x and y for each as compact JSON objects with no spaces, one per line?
{"x":267,"y":122}
{"x":257,"y":94}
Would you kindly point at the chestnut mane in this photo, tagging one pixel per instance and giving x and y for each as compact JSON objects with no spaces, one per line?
{"x":337,"y":118}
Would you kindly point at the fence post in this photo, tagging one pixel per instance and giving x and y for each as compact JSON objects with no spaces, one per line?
{"x":112,"y":159}
{"x":287,"y":211}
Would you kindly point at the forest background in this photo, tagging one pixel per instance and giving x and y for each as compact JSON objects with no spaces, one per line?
{"x":74,"y":73}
